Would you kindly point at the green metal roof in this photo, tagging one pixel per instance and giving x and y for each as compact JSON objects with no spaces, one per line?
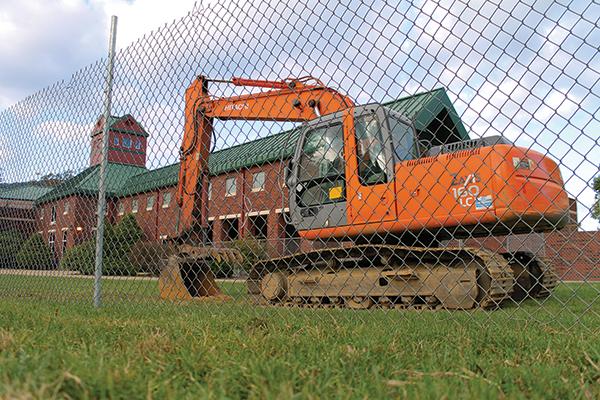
{"x":423,"y":108}
{"x":86,"y":182}
{"x":124,"y":180}
{"x":151,"y":180}
{"x":113,"y":119}
{"x":29,"y":191}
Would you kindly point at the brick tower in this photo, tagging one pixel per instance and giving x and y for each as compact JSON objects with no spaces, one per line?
{"x":127,"y":141}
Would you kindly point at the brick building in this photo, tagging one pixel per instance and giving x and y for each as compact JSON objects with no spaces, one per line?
{"x":17,"y":201}
{"x":247,"y":194}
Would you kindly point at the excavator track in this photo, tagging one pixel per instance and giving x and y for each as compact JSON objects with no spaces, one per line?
{"x":535,"y":277}
{"x":386,"y":276}
{"x":549,"y":278}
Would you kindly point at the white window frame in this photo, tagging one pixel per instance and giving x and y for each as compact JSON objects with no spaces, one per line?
{"x":138,"y":144}
{"x":115,"y":140}
{"x":134,"y":206}
{"x":166,"y":197}
{"x":51,"y":243}
{"x":120,"y":207}
{"x":126,"y":141}
{"x":53,"y":215}
{"x":262,"y":186}
{"x":150,"y":201}
{"x":64,"y":240}
{"x":234,"y":186}
{"x":209,"y":190}
{"x":67,"y":207}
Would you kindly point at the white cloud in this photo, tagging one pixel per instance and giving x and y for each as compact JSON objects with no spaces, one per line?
{"x":64,"y":131}
{"x":138,"y":17}
{"x":44,"y":41}
{"x":4,"y":152}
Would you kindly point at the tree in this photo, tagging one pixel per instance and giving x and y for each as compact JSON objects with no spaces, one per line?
{"x":596,"y":206}
{"x":35,"y":253}
{"x":53,"y":179}
{"x":10,"y":243}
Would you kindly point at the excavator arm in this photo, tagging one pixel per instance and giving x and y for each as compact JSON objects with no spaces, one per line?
{"x":290,"y":100}
{"x":187,"y":274}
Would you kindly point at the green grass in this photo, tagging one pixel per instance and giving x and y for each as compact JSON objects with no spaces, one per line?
{"x":137,"y":346}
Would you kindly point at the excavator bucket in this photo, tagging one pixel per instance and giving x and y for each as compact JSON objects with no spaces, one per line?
{"x":188,"y":275}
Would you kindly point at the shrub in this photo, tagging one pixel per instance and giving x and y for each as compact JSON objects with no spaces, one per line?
{"x":80,"y":258}
{"x":35,"y":253}
{"x":118,"y":242}
{"x":119,"y":239}
{"x":147,"y":257}
{"x":251,"y":250}
{"x":10,"y":243}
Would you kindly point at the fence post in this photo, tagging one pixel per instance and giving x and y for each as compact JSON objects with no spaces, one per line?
{"x":104,"y":163}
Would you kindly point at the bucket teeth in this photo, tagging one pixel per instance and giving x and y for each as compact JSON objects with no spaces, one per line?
{"x":188,"y":275}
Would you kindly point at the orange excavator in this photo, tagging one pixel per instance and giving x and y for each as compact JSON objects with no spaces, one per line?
{"x":361,"y":178}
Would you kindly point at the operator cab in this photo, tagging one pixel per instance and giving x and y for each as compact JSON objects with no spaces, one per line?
{"x":337,"y":154}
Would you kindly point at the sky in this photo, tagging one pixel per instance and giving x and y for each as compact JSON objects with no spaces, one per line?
{"x":42,"y":41}
{"x":528,"y":70}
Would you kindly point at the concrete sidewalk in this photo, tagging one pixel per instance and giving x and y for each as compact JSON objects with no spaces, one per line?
{"x":75,"y":274}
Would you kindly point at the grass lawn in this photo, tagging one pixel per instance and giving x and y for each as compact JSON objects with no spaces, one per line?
{"x":137,"y":346}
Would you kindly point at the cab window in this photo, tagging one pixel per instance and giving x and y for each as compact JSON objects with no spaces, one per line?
{"x":370,"y":150}
{"x":322,"y":167}
{"x":403,"y":138}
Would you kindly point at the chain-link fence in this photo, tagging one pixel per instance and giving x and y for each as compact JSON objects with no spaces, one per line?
{"x":390,"y":156}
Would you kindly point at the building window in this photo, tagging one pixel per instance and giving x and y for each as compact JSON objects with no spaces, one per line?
{"x":209,"y":190}
{"x":138,"y":144}
{"x":134,"y":205}
{"x":258,"y":182}
{"x":230,"y":229}
{"x":115,"y":140}
{"x":65,"y":235}
{"x":41,"y":214}
{"x":67,"y":208}
{"x":51,"y":240}
{"x":258,"y":226}
{"x":53,"y":215}
{"x":126,"y":142}
{"x":230,"y":187}
{"x":166,"y":199}
{"x":121,"y":208}
{"x":150,"y":203}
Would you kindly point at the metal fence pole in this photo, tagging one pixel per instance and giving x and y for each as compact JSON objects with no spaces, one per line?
{"x":103,"y":164}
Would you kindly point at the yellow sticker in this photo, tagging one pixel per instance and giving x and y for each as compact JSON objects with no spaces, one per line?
{"x":335,"y":193}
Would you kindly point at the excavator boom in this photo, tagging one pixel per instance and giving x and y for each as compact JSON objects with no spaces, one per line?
{"x":188,"y":274}
{"x":292,"y":100}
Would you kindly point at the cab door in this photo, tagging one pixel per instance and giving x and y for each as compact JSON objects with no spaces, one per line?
{"x":369,"y":168}
{"x":317,"y":181}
